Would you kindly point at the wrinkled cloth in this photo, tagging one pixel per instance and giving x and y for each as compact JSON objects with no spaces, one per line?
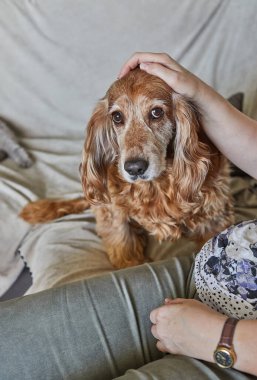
{"x":99,"y":329}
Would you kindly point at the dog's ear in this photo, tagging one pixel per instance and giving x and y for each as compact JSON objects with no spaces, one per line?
{"x":99,"y":152}
{"x":191,"y":156}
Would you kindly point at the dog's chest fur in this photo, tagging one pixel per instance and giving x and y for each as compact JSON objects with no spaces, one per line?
{"x":160,"y":212}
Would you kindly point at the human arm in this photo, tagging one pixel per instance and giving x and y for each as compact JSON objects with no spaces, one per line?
{"x":234,"y":133}
{"x":189,"y":327}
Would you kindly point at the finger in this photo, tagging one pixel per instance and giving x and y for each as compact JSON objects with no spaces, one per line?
{"x":138,"y":58}
{"x":170,"y":76}
{"x":161,"y":347}
{"x":156,"y":314}
{"x":129,"y":65}
{"x":153,"y":316}
{"x":154,"y":331}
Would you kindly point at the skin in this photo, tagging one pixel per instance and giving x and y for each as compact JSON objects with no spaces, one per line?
{"x":187,"y":326}
{"x":234,"y":133}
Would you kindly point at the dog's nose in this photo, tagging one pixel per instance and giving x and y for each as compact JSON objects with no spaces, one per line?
{"x":136,"y":167}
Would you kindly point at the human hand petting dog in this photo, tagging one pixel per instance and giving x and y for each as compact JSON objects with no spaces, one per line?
{"x":233,"y":133}
{"x":170,"y":71}
{"x":9,"y":147}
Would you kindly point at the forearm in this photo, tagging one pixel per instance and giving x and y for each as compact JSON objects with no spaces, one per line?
{"x":245,"y":345}
{"x":244,"y":342}
{"x":234,"y":133}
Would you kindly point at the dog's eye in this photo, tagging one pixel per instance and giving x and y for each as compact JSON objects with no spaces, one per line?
{"x":156,"y":113}
{"x":117,"y":117}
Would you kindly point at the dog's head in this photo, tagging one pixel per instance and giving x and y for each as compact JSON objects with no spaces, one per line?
{"x":142,"y":126}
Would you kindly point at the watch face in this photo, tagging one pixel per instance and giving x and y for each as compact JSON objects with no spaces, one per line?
{"x":223,"y":358}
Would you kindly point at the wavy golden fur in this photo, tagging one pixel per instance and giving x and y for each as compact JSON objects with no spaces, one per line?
{"x":147,"y":167}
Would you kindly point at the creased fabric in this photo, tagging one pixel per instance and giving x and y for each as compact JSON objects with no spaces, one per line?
{"x":99,"y":329}
{"x":93,"y":329}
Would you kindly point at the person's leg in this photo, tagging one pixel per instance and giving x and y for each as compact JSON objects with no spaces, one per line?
{"x":94,"y":329}
{"x":177,"y":367}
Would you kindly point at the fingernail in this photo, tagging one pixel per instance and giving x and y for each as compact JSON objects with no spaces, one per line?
{"x":143,"y":65}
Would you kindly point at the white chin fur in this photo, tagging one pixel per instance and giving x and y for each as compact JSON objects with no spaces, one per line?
{"x":149,"y":175}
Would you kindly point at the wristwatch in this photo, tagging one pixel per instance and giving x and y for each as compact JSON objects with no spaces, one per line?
{"x":224,"y":355}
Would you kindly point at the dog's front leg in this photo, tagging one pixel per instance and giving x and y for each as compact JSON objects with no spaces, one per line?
{"x":124,"y":240}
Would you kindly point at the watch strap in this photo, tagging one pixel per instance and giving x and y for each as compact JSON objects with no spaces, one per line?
{"x":227,"y":334}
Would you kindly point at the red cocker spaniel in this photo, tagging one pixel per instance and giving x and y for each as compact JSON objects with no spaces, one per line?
{"x":147,"y":168}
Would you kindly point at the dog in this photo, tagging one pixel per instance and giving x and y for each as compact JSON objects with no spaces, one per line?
{"x":147,"y":168}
